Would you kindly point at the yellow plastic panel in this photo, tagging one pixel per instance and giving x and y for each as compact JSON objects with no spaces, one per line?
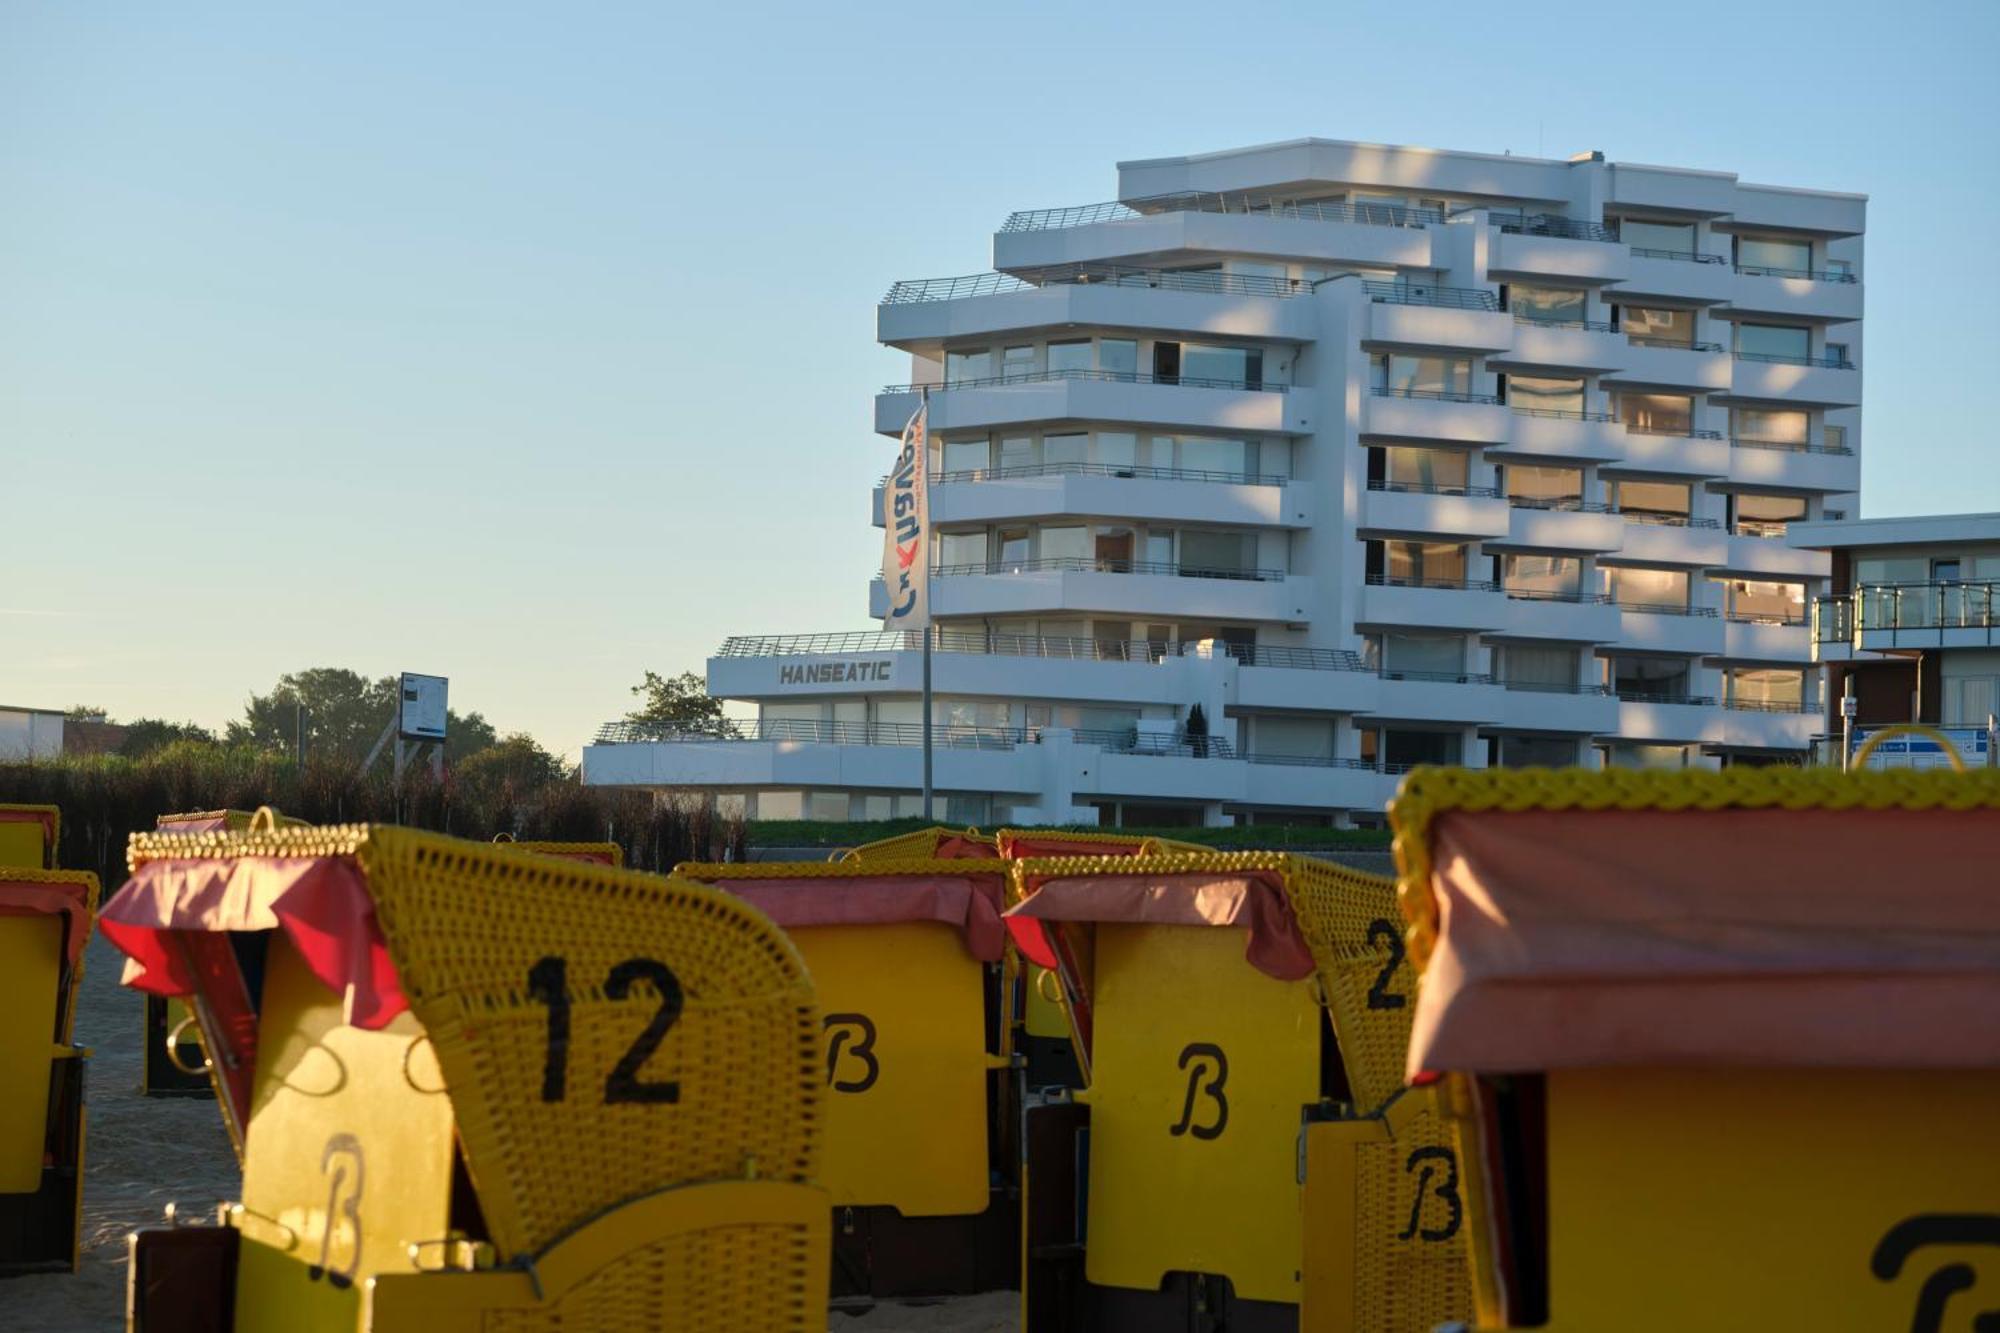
{"x":1750,"y":1200}
{"x":904,"y":1012}
{"x":347,"y":1159}
{"x":1202,"y":1064}
{"x":21,"y":844}
{"x":30,"y":965}
{"x":1044,"y":1017}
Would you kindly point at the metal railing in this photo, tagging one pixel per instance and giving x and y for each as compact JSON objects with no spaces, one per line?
{"x":943,"y":735}
{"x":1814,"y":274}
{"x":1781,"y":359}
{"x":1435,"y":395}
{"x":1432,"y":488}
{"x":1103,"y":376}
{"x":1764,"y":529}
{"x":1669,"y":697}
{"x":1119,"y":210}
{"x":1787,"y":620}
{"x":1585,"y":325}
{"x":1665,"y":609}
{"x":1428,"y":294}
{"x":1677,"y":432}
{"x":1102,"y":470}
{"x":1928,"y":606}
{"x":1560,"y":504}
{"x":1576,"y":596}
{"x":1552,"y":687}
{"x":1453,"y":584}
{"x":1673,"y":344}
{"x":1685,"y":256}
{"x":1561,"y":413}
{"x":1288,"y":658}
{"x":1769,"y":705}
{"x":1552,"y":224}
{"x":1666,"y":520}
{"x":1310,"y":761}
{"x":1206,"y":280}
{"x":1437,"y":677}
{"x":1103,"y":565}
{"x":1789,"y":446}
{"x":1130,"y":740}
{"x":1833,"y":619}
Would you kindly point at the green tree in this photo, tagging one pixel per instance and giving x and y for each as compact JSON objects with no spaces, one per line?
{"x":144,"y":735}
{"x":683,"y":698}
{"x":513,"y":769}
{"x":345,"y":714}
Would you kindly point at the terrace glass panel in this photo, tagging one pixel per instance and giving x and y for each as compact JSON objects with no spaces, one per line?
{"x":1648,"y":587}
{"x":1423,"y":374}
{"x":1666,"y":499}
{"x":1774,"y":252}
{"x":1425,"y":469}
{"x":967,"y":366}
{"x":1665,"y":413}
{"x":1671,"y":237}
{"x":1773,"y":340}
{"x":1546,"y":393}
{"x":1656,"y":325}
{"x":1548,"y":304}
{"x":1544,"y":487}
{"x":1424,"y":562}
{"x":1550,"y":575}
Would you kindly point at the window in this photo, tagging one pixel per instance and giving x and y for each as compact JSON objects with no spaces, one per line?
{"x":1773,"y":342}
{"x":1013,"y":546}
{"x":1066,"y":544}
{"x":1226,"y":552}
{"x":1562,"y":395}
{"x":1534,"y":752}
{"x":1757,"y":515}
{"x":1656,"y":327}
{"x":1017,"y":451}
{"x":1837,"y":353}
{"x":1118,"y":355}
{"x":1066,"y":357}
{"x":1534,"y":487}
{"x":1421,"y":654}
{"x":1766,"y":687}
{"x":1064,"y":450}
{"x":1664,"y":589}
{"x":1671,"y":238}
{"x":1430,"y":471}
{"x":961,"y":550}
{"x":1424,"y":564}
{"x":1548,"y":577}
{"x":1648,"y":756}
{"x":1763,"y":602}
{"x":1548,"y":305}
{"x":1200,"y":455}
{"x":1768,"y":425}
{"x":1652,"y":499}
{"x":1017,"y":363}
{"x":1423,"y":375}
{"x":1116,"y":449}
{"x":1772,"y":254}
{"x":966,"y":455}
{"x":1836,"y":439}
{"x":1657,"y":413}
{"x":1292,"y":737}
{"x":1113,"y":549}
{"x":1651,"y":679}
{"x":1839,"y":268}
{"x":961,"y":366}
{"x":1969,"y":700}
{"x":1891,"y":569}
{"x":1235,"y":365}
{"x":1540,"y":669}
{"x":1404,"y":749}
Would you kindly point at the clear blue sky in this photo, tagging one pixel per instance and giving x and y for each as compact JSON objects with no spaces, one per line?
{"x":532,"y":344}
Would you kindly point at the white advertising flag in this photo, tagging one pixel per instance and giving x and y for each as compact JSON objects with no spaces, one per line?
{"x":906,"y":529}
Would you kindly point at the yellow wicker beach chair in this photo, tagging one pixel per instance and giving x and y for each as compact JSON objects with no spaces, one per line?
{"x":1751,"y":1089}
{"x":1218,"y":1002}
{"x":29,"y":836}
{"x":479,"y":1090}
{"x":595,"y":853}
{"x":921,"y":1110}
{"x":45,"y":918}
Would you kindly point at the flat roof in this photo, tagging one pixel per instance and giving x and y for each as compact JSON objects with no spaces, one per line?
{"x":1909,"y":530}
{"x":22,"y":708}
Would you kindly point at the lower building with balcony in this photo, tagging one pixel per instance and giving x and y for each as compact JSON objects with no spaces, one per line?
{"x":1298,"y":465}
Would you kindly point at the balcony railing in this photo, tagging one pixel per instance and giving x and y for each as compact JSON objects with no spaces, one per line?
{"x":1432,"y":488}
{"x":943,"y":735}
{"x":1564,"y":504}
{"x":1833,"y":620}
{"x":1766,"y":530}
{"x":1551,"y":224}
{"x":1781,"y":359}
{"x":1103,"y":376}
{"x":1209,"y":281}
{"x":1423,"y":293}
{"x":1435,"y":395}
{"x":1789,"y":446}
{"x":1555,"y":687}
{"x":1786,"y":619}
{"x":1437,"y":677}
{"x":1769,"y":706}
{"x":1667,"y":697}
{"x":1929,"y":606}
{"x":1585,"y":325}
{"x":1561,"y":413}
{"x":1574,"y":596}
{"x":1103,"y":470}
{"x":1417,"y":581}
{"x":1814,"y":274}
{"x":1666,"y":609}
{"x":1678,"y":432}
{"x":1284,"y":657}
{"x":1117,"y":210}
{"x":1665,"y":520}
{"x":1673,"y":344}
{"x":1685,"y":256}
{"x":1099,"y":565}
{"x":1312,"y":761}
{"x":1076,"y":649}
{"x":1130,"y":740}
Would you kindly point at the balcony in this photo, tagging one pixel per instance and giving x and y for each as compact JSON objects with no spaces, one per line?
{"x":1541,"y":433}
{"x":1566,"y":525}
{"x":1796,"y":293}
{"x":1547,"y":246}
{"x":1204,"y":223}
{"x":1100,"y":395}
{"x":1754,"y":724}
{"x":1429,"y":696}
{"x":1565,"y":617}
{"x":1337,"y":784}
{"x":1750,"y":638}
{"x":1677,"y":275}
{"x":1799,"y":467}
{"x":1126,"y":587}
{"x":1691,"y":545}
{"x":1308,"y":679}
{"x":1927,"y":615}
{"x":1753,"y":555}
{"x":1095,"y":295}
{"x":811,"y":754}
{"x":1674,"y":452}
{"x":1700,"y":367}
{"x":1587,"y":709}
{"x":1178,"y":495}
{"x":1689,"y":630}
{"x":1414,"y":509}
{"x":1586,"y":346}
{"x":1466,"y":604}
{"x":1433,"y":416}
{"x":1424,"y":315}
{"x":1673,"y":719}
{"x":1815,"y":380}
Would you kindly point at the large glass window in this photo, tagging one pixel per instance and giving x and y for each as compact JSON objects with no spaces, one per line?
{"x":1652,"y":499}
{"x":966,"y":455}
{"x":1546,"y":393}
{"x":1649,"y":678}
{"x":1239,"y":365}
{"x":1424,"y":564}
{"x":1535,"y":487}
{"x":1017,"y":363}
{"x":1769,"y":425}
{"x":1548,"y":305}
{"x":1069,"y":356}
{"x":1647,"y":756}
{"x":1422,"y":654}
{"x":1066,"y":544}
{"x":961,"y":366}
{"x":1674,"y":238}
{"x":1423,"y":374}
{"x":1656,"y":327}
{"x":1892,"y":569}
{"x":1665,"y":589}
{"x":1778,"y":255}
{"x":964,"y":551}
{"x":1535,"y":752}
{"x":1292,"y":737}
{"x":1116,"y":449}
{"x":1766,"y":515}
{"x":1767,"y":687}
{"x":1425,"y":470}
{"x":1764,"y":602}
{"x":1064,"y":450}
{"x":1202,"y":455}
{"x":1543,"y":669}
{"x":1118,"y":355}
{"x":1545,"y":576}
{"x":1777,"y":341}
{"x":1657,"y":413}
{"x":1206,"y":549}
{"x":1402,"y":749}
{"x":1113,"y":549}
{"x":1017,"y":451}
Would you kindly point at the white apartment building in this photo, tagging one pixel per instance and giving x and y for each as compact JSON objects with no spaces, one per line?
{"x":1354,"y":457}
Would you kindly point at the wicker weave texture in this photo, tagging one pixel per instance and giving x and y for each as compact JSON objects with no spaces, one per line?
{"x":1407,"y":1277}
{"x":921,"y":845}
{"x":73,"y":975}
{"x":607,"y":853}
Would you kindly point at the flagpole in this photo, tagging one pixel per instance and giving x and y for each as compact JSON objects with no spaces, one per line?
{"x":924,"y":462}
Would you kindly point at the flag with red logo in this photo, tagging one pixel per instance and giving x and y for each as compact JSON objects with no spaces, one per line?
{"x":906,"y":528}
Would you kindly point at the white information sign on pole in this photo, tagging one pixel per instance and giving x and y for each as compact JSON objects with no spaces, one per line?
{"x":420,"y":707}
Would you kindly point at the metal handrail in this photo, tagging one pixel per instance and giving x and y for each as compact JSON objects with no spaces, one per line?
{"x":1579,"y":597}
{"x":1587,"y":325}
{"x":1547,"y":687}
{"x":1553,"y":224}
{"x":1647,"y":697}
{"x":1459,"y":585}
{"x":1686,"y":256}
{"x":1769,"y":706}
{"x":1815,"y":274}
{"x":1310,"y":761}
{"x":1677,"y":433}
{"x":1789,"y":446}
{"x":1438,"y":677}
{"x":1657,"y":609}
{"x":1564,"y":505}
{"x":1130,"y":740}
{"x":1208,"y":281}
{"x":1104,"y":376}
{"x":1927,"y":606}
{"x":1666,"y":520}
{"x":1121,"y":210}
{"x":1286,"y":657}
{"x":1412,"y":293}
{"x":1672,"y":344}
{"x":1094,"y":565}
{"x":948,"y":735}
{"x":1762,"y":529}
{"x":1779,"y":359}
{"x":1765,"y":618}
{"x":1561,"y":413}
{"x":1432,"y":488}
{"x":1103,"y":470}
{"x":1435,"y":395}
